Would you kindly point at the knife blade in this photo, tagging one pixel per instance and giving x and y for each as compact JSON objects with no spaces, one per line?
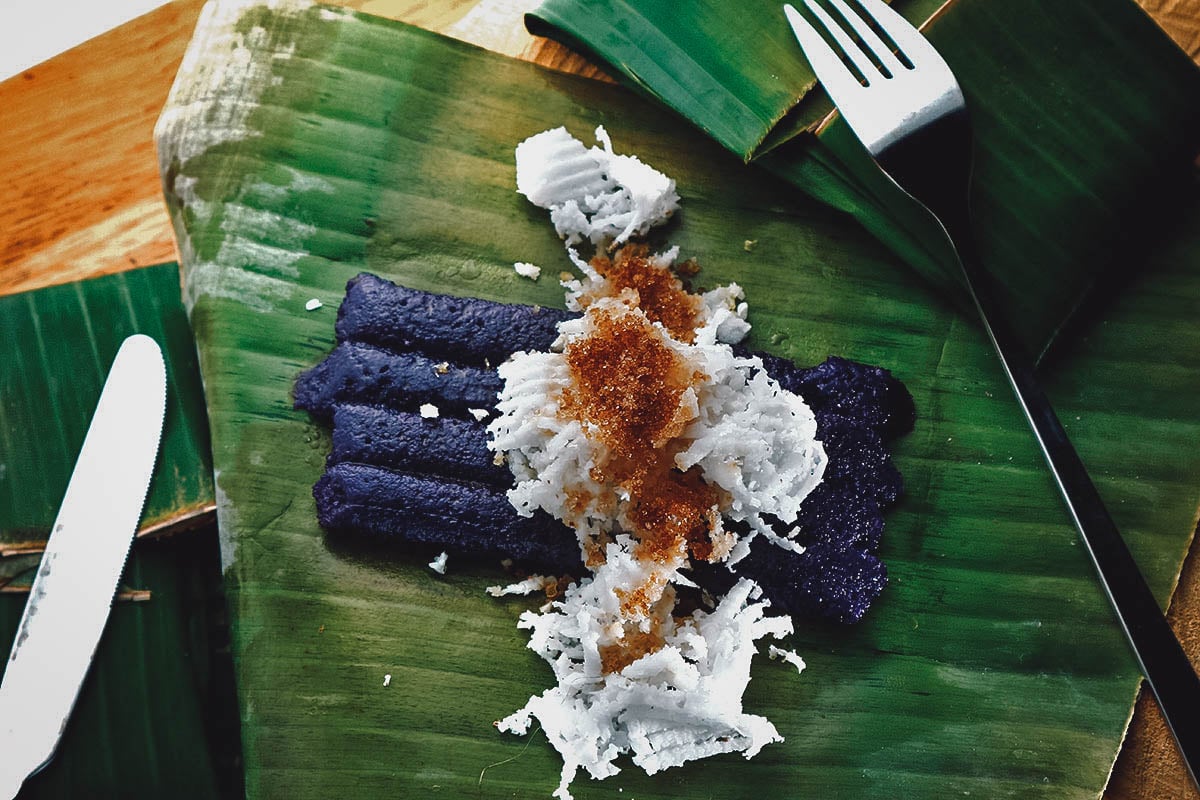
{"x":77,"y":578}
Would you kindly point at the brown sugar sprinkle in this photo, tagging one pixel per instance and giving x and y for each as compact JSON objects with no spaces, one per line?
{"x":594,"y":555}
{"x":628,"y":384}
{"x":635,"y":644}
{"x":557,"y":587}
{"x":640,"y":601}
{"x":576,"y":500}
{"x":672,"y":508}
{"x":661,"y":295}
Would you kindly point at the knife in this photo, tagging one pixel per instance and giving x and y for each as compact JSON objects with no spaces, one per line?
{"x":84,"y":558}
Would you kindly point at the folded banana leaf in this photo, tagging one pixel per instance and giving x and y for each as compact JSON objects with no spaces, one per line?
{"x":1085,"y":117}
{"x":735,"y":74}
{"x":302,"y":145}
{"x":60,"y":343}
{"x":156,"y":715}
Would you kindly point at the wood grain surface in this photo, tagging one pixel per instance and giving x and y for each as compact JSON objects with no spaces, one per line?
{"x":80,"y":197}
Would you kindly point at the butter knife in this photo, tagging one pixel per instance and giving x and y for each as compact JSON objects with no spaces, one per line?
{"x":77,"y":579}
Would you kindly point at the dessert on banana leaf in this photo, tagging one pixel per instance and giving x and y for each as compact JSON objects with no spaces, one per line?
{"x":676,"y":490}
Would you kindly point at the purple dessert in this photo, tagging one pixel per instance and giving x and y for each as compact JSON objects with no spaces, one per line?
{"x":394,"y":475}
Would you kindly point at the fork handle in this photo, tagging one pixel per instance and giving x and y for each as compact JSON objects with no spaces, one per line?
{"x":1166,"y":667}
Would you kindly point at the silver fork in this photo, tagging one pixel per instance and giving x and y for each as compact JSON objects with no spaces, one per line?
{"x":909,"y":113}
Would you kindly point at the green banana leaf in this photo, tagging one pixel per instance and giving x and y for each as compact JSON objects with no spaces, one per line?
{"x":1084,"y":114}
{"x":301,"y":145}
{"x":60,"y":342}
{"x":734,"y":73}
{"x":156,"y":716}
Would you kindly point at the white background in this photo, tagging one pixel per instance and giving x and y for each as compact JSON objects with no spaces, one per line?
{"x":32,"y":31}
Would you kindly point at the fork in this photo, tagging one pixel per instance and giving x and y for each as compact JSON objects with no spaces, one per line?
{"x":907,"y":109}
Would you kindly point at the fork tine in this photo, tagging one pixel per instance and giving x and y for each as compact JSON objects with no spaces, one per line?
{"x":838,"y":81}
{"x":852,"y":50}
{"x":915,"y":47}
{"x":870,"y":39}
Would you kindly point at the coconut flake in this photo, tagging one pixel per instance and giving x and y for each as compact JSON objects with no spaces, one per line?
{"x":534,"y":583}
{"x":592,"y":194}
{"x":527,"y":270}
{"x":790,"y":656}
{"x":724,"y":316}
{"x":681,"y":702}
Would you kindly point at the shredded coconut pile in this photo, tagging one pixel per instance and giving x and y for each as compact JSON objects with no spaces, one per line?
{"x":746,"y":434}
{"x":594,"y":193}
{"x":635,"y":674}
{"x":679,"y":703}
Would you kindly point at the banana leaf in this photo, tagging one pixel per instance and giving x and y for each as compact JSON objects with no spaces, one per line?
{"x":1085,"y":114}
{"x":156,"y":715}
{"x":301,"y":145}
{"x":736,"y":75}
{"x":60,"y":342}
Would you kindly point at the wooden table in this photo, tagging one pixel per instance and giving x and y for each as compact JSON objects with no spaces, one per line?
{"x":80,"y":197}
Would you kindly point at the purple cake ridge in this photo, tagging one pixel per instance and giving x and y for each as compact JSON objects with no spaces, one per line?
{"x":461,"y":517}
{"x":394,"y":475}
{"x":462,"y":329}
{"x":356,"y":372}
{"x":385,"y":437}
